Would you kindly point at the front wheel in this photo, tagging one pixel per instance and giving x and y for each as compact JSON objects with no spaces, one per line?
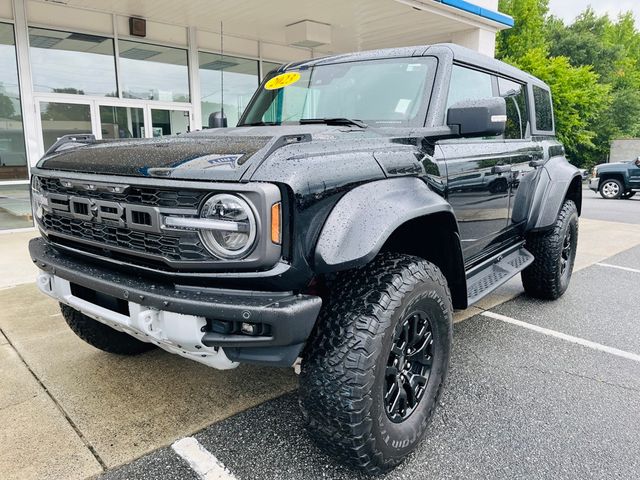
{"x":376,"y":362}
{"x":611,"y":189}
{"x":554,"y":250}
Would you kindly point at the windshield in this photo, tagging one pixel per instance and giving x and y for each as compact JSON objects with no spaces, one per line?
{"x":388,"y":92}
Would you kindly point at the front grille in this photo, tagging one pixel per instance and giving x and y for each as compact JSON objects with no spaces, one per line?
{"x":155,"y":197}
{"x":141,"y":248}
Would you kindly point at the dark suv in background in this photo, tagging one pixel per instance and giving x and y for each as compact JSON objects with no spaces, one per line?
{"x":360,"y":200}
{"x":616,"y":180}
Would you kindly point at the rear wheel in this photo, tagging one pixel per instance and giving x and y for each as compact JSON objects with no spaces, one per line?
{"x":611,"y":189}
{"x":101,"y":336}
{"x":554,"y":250}
{"x":376,"y":363}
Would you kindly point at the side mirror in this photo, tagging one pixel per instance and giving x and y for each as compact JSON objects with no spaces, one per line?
{"x":479,"y":118}
{"x":217,"y":120}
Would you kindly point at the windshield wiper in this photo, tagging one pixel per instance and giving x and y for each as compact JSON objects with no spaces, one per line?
{"x":333,"y":121}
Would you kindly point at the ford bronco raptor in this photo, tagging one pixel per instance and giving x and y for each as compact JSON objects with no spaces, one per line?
{"x":352,"y":209}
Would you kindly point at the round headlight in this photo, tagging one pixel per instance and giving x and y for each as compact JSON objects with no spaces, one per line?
{"x":235,"y":234}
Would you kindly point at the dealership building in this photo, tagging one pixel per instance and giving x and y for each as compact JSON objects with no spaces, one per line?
{"x":148,"y":68}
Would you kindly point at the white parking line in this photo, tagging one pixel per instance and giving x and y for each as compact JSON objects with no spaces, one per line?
{"x":564,"y":336}
{"x":626,"y":269}
{"x":206,"y":466}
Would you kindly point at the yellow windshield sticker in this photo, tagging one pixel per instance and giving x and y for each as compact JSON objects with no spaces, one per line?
{"x":282,"y":80}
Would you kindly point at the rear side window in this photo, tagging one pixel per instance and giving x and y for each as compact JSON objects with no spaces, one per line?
{"x":468,"y":84}
{"x":517,"y":112}
{"x":544,"y":110}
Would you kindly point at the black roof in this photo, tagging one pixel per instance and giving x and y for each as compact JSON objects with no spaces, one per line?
{"x":460,"y":54}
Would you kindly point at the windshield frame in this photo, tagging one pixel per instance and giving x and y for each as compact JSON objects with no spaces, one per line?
{"x":419,"y":120}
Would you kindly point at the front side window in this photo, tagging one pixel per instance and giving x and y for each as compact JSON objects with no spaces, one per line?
{"x":517,"y":112}
{"x":468,"y":84}
{"x":153,"y":72}
{"x":388,"y":92}
{"x":544,"y":109}
{"x":76,"y":63}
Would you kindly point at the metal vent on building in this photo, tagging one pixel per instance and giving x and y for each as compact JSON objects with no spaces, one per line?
{"x":43,"y":41}
{"x":138,"y":54}
{"x":81,"y":37}
{"x":218,"y":65}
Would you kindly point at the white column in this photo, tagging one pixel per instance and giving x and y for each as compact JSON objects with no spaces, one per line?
{"x":194,"y":80}
{"x":478,"y":39}
{"x":29,"y":119}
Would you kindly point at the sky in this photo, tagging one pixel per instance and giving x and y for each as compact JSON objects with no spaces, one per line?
{"x":569,"y":9}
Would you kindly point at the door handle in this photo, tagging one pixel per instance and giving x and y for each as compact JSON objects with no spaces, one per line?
{"x":536,"y":163}
{"x":501,"y":169}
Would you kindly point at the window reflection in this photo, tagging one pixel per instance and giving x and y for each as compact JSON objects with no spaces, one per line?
{"x":121,"y":122}
{"x":268,"y":67}
{"x":240,"y":82}
{"x":15,"y":207}
{"x":153,"y":72}
{"x":59,"y":119}
{"x":169,"y":122}
{"x":76,"y":63}
{"x":13,"y":160}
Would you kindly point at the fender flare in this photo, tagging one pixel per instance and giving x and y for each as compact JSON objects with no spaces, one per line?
{"x":556,"y":178}
{"x":364,"y":218}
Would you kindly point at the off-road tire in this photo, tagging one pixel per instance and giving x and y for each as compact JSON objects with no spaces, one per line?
{"x":609,"y":186}
{"x":344,"y":377}
{"x":545,"y":277}
{"x":101,"y":336}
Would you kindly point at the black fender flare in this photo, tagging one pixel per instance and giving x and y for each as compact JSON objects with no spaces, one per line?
{"x":364,"y":218}
{"x":556,"y":177}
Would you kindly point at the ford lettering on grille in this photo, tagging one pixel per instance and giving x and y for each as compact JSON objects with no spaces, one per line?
{"x":134,"y":217}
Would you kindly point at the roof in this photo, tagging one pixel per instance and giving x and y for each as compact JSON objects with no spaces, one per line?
{"x":460,"y":54}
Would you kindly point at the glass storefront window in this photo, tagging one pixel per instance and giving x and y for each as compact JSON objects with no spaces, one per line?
{"x":13,"y":159}
{"x":240,"y":82}
{"x":153,"y":72}
{"x":169,"y":122}
{"x":121,"y":122}
{"x":76,"y":63}
{"x":59,"y":119}
{"x":15,"y":207}
{"x":268,"y":67}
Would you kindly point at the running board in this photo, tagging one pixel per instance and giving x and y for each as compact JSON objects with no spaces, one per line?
{"x":484,"y":279}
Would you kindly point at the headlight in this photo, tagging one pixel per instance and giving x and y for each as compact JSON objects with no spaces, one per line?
{"x":38,"y":200}
{"x":235,"y":232}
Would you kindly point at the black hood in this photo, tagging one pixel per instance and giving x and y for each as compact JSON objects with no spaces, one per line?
{"x":221,"y":154}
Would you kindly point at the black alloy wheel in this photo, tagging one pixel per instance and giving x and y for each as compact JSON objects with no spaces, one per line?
{"x":408,"y":366}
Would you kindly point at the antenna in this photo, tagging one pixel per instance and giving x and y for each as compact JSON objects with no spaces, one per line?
{"x":221,"y":70}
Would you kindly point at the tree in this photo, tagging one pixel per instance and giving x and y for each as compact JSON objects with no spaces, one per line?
{"x":7,"y":110}
{"x":528,"y":32}
{"x":579,"y":101}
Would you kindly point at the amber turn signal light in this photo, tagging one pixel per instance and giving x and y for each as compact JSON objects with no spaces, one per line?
{"x":276,"y":223}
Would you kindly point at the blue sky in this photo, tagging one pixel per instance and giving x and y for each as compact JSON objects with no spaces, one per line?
{"x":569,"y":9}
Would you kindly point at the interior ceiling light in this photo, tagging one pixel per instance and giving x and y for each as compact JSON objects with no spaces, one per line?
{"x":139,"y":54}
{"x":218,"y":65}
{"x":43,"y":41}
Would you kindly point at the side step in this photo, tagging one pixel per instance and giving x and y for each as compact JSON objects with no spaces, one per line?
{"x":493,"y":273}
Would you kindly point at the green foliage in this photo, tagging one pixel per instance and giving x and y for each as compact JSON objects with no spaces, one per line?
{"x":528,"y":32}
{"x":592,"y":67}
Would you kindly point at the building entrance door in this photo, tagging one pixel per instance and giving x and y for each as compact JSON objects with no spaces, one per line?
{"x":60,"y":115}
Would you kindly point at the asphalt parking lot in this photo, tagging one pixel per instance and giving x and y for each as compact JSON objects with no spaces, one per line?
{"x":535,"y":390}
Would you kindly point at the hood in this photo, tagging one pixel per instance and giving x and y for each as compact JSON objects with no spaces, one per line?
{"x":227,"y":154}
{"x":613,"y":165}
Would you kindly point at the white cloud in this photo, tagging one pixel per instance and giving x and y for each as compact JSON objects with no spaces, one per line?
{"x":569,"y":9}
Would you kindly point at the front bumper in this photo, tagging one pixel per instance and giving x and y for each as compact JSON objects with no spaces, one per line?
{"x":177,"y":318}
{"x":594,"y":184}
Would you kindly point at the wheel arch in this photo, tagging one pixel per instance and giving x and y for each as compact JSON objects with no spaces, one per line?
{"x":401,"y":215}
{"x":559,"y":181}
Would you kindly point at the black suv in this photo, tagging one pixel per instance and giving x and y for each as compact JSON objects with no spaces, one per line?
{"x":360,"y":200}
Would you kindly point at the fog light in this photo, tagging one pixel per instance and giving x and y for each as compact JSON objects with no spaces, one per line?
{"x":249,"y":328}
